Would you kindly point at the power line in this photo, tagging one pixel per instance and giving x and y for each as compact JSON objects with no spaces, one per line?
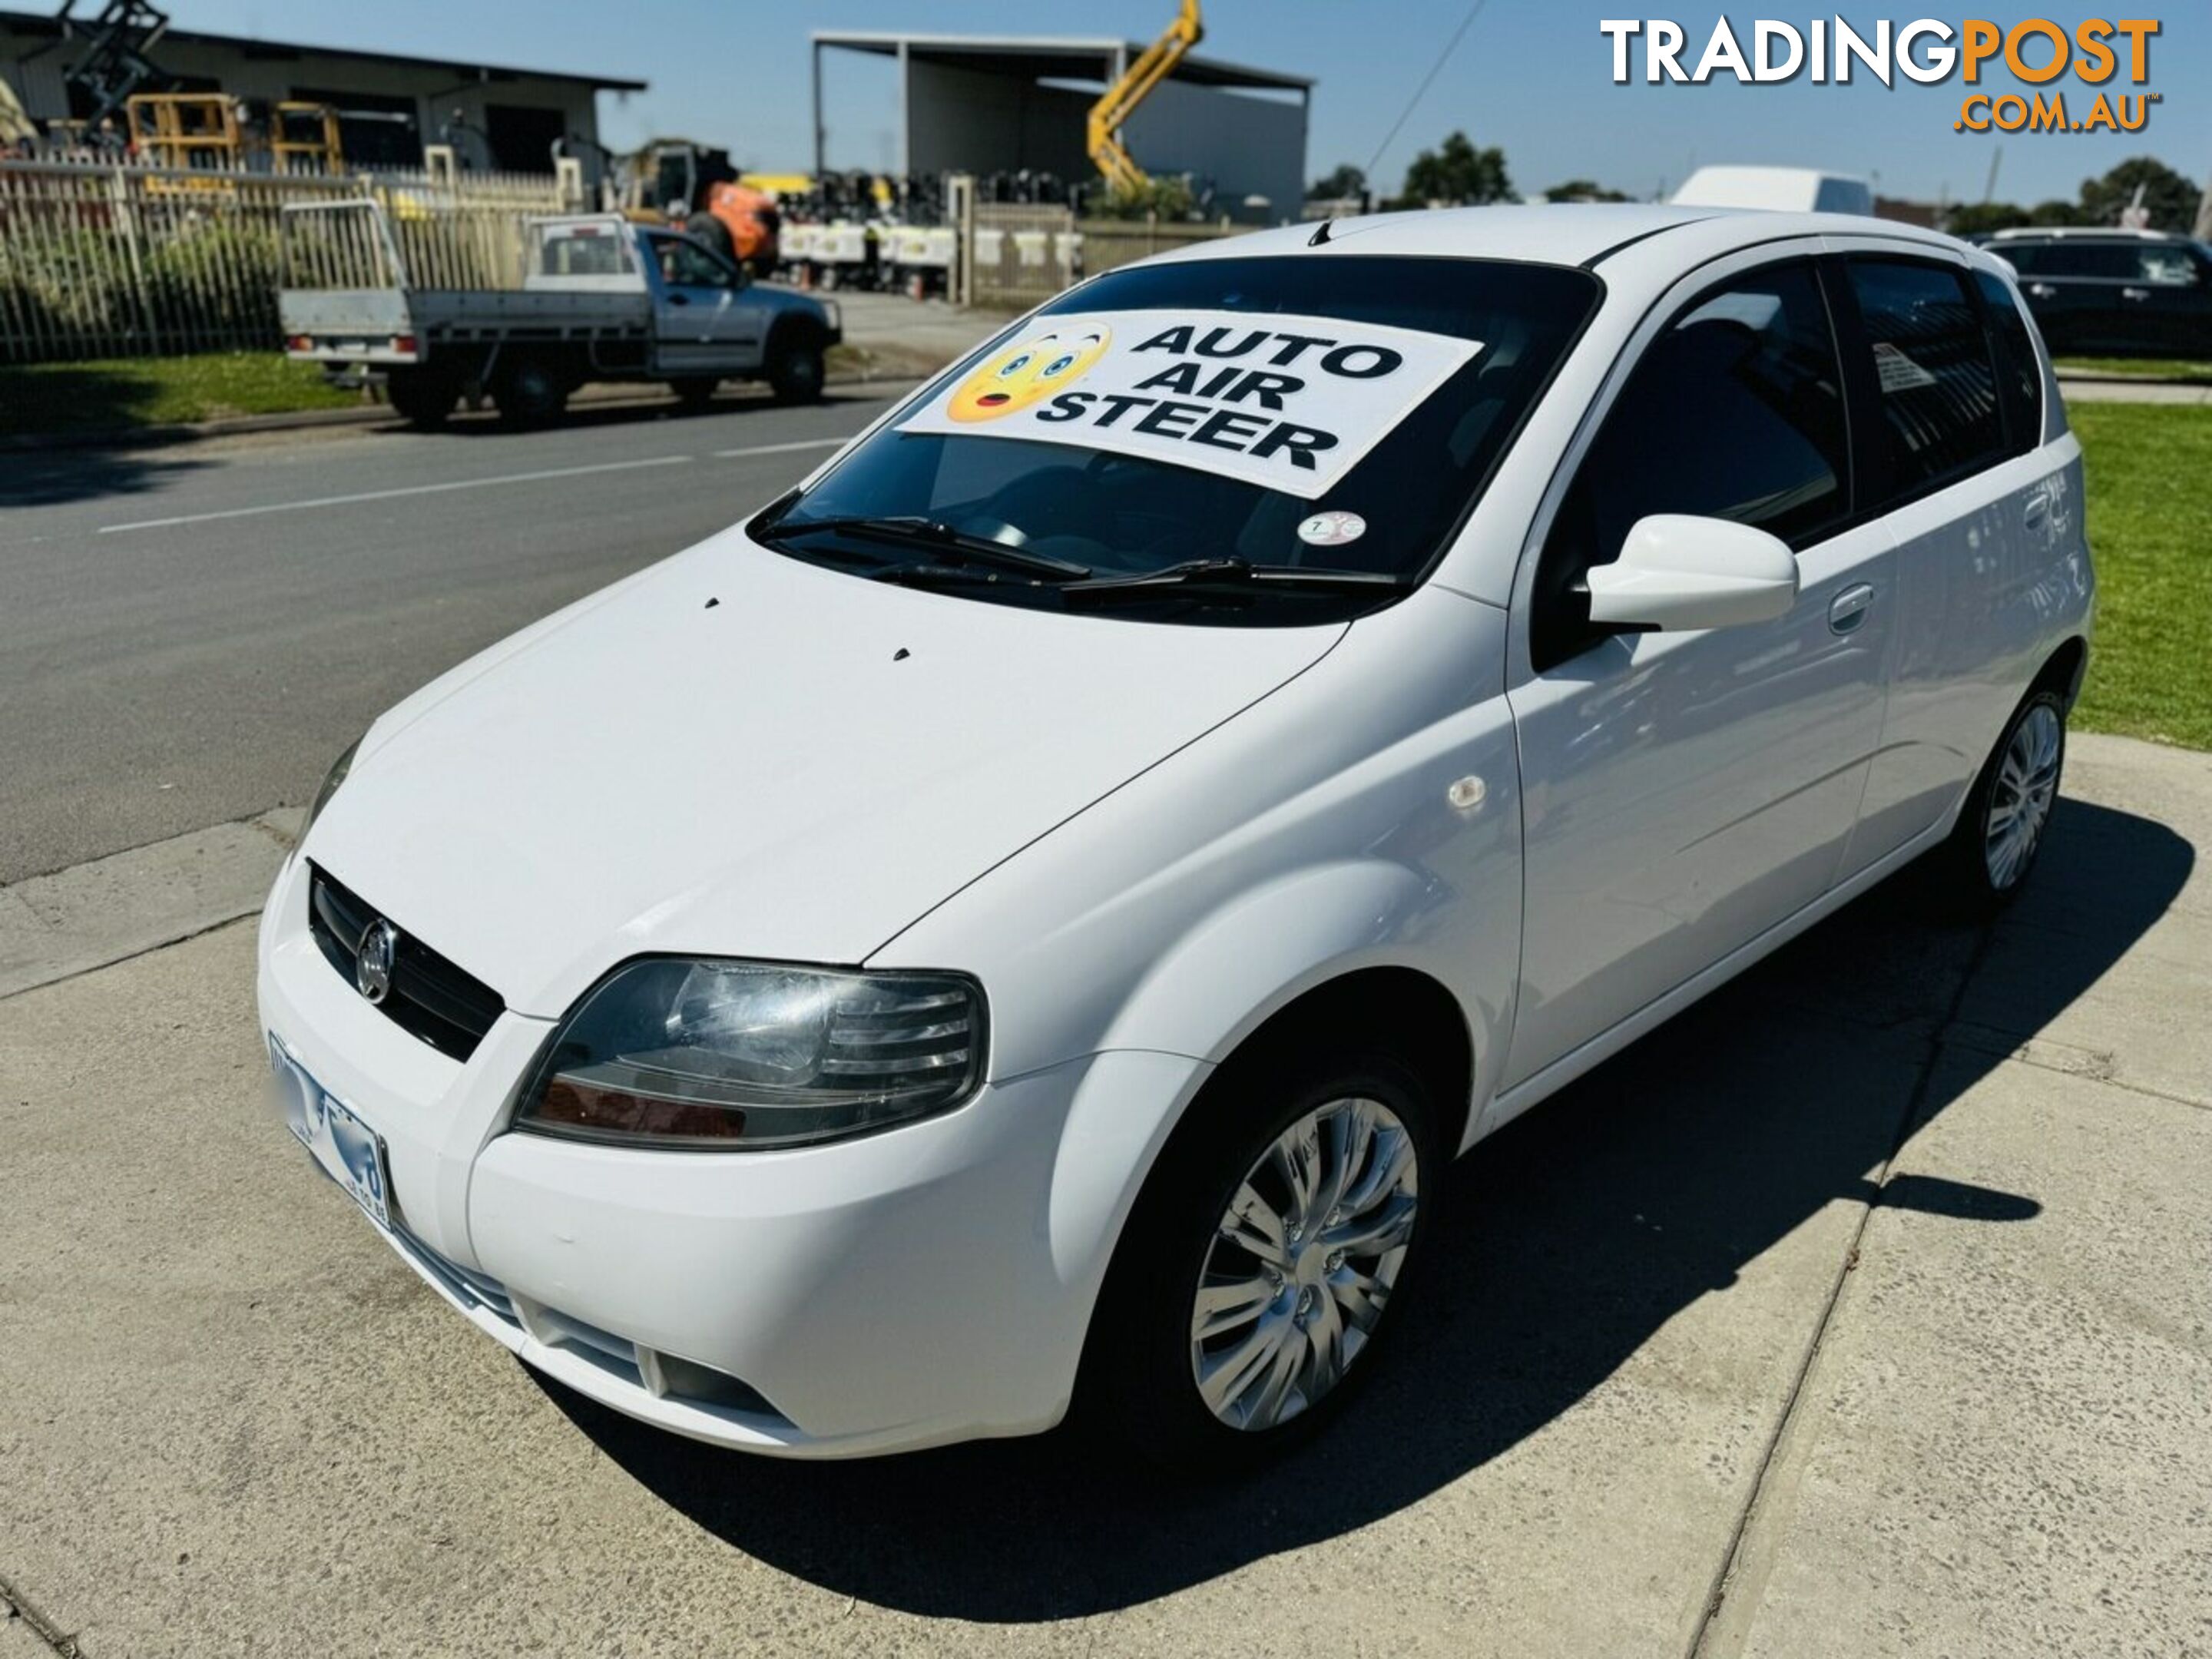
{"x":1450,"y":46}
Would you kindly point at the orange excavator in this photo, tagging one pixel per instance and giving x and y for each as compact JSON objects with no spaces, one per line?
{"x":1153,"y":65}
{"x":672,"y":178}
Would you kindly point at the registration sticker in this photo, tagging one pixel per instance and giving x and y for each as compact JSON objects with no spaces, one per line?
{"x":1287,"y":402}
{"x":1332,"y":529}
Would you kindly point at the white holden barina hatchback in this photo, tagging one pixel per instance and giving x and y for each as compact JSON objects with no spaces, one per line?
{"x":1025,"y":919}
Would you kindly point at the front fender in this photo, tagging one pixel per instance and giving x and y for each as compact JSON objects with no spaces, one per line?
{"x":1229,"y":974}
{"x":1237,"y":967}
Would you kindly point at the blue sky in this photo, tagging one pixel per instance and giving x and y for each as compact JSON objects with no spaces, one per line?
{"x":1532,"y":75}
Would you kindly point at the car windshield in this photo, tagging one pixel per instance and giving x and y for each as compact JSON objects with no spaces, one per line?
{"x":1264,"y":441}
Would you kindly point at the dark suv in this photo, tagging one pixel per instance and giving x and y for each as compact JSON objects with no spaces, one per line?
{"x":2114,"y":293}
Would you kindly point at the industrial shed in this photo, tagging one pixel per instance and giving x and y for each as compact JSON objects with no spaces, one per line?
{"x":389,"y":104}
{"x":984,"y":105}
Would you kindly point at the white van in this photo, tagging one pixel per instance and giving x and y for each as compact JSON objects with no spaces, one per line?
{"x":1027,"y":917}
{"x":1777,"y":190}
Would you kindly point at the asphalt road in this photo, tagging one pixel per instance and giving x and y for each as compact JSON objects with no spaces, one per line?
{"x":188,"y":635}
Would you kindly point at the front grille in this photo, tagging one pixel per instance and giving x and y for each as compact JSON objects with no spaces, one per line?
{"x":449,"y":1008}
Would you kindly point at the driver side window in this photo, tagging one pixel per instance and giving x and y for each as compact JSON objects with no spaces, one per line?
{"x":1736,"y":411}
{"x":686,"y":264}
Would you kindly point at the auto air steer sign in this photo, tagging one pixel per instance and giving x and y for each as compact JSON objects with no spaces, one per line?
{"x":1290,"y":402}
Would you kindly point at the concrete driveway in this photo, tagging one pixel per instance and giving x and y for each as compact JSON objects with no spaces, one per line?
{"x":1862,"y":1311}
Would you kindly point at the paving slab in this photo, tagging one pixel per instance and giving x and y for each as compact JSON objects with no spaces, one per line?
{"x":51,"y":926}
{"x":2009,"y":1429}
{"x":237,"y":1420}
{"x":2113,"y":389}
{"x":234,"y":1422}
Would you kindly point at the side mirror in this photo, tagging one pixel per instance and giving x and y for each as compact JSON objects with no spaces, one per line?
{"x":1676,"y":573}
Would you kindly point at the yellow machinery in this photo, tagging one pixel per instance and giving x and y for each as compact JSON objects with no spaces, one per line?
{"x":303,"y":138}
{"x":202,"y":130}
{"x":1153,"y":65}
{"x":184,"y":130}
{"x":14,"y":126}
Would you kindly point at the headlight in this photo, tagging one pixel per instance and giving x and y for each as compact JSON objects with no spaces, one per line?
{"x":331,"y":780}
{"x":735,"y":1055}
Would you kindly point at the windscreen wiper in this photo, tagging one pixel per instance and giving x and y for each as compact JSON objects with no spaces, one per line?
{"x":1234,"y":573}
{"x":913,"y":529}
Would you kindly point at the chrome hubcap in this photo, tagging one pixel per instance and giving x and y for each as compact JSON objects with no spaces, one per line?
{"x":1302,"y":1263}
{"x":2020,"y":805}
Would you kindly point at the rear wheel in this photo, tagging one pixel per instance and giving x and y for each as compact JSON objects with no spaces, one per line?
{"x":420,"y":396}
{"x":2000,"y":828}
{"x":529,"y":392}
{"x":795,"y":370}
{"x":1264,"y":1258}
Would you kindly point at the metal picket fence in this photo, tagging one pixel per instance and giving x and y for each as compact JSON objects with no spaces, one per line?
{"x":1023,"y":255}
{"x":107,"y":261}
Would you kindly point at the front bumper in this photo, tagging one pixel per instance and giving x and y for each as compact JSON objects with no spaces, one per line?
{"x":902,"y":1290}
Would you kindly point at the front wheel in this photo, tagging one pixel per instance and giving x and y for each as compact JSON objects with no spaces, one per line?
{"x":2000,"y":828}
{"x":795,"y":371}
{"x":1263,"y":1260}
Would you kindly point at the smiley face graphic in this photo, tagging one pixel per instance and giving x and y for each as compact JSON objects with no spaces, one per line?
{"x":1028,"y":373}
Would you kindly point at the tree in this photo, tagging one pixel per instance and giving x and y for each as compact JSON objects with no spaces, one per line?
{"x":2054,"y":212}
{"x":1582,"y":190}
{"x":2170,"y":198}
{"x":1340,"y":181}
{"x":1457,"y":174}
{"x":1981,"y":218}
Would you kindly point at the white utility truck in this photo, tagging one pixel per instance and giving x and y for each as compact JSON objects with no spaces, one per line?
{"x":602,"y":299}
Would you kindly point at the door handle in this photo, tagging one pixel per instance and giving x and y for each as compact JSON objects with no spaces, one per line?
{"x":1848,"y":608}
{"x":679,"y":299}
{"x":2135,"y":294}
{"x":2041,"y":291}
{"x":2035,"y":509}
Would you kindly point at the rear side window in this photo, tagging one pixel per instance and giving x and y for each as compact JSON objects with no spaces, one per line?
{"x":583,"y":253}
{"x":1936,"y":379}
{"x":2113,"y":260}
{"x":1736,"y":411}
{"x":2019,"y":376}
{"x":2167,"y":263}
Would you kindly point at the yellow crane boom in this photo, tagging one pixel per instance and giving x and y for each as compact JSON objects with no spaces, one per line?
{"x":1119,"y":101}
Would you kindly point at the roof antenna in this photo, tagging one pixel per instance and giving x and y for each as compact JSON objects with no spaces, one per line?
{"x":1321,"y":235}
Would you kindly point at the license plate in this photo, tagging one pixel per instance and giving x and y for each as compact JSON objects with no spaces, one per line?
{"x":345,"y":1148}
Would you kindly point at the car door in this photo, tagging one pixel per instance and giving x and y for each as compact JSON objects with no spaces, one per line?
{"x":701,"y":323}
{"x":1951,"y":443}
{"x":1685,"y":791}
{"x":2168,"y":305}
{"x":2073,"y":288}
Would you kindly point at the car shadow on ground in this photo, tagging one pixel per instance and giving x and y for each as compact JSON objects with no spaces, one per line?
{"x":1570,"y":1238}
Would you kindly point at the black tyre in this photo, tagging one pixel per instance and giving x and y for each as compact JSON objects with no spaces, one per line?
{"x":1269,"y":1254}
{"x":1990,"y":853}
{"x":529,"y":393}
{"x":421,"y":397}
{"x":795,"y":369}
{"x":694,"y":392}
